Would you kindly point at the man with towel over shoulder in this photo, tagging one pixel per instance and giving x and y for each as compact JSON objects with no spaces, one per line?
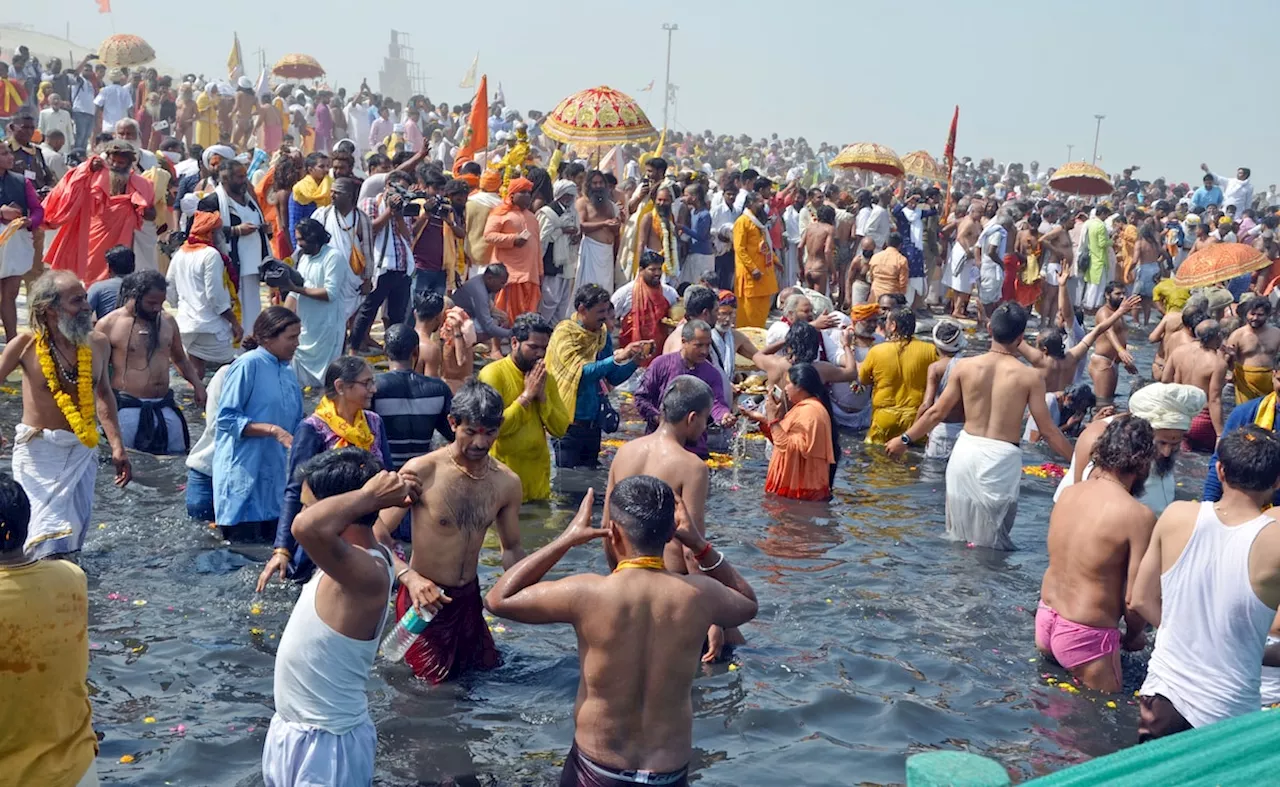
{"x":986,"y":462}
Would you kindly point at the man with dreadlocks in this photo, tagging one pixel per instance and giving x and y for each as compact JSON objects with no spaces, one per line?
{"x":144,"y":342}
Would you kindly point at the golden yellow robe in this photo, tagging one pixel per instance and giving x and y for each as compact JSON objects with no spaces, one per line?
{"x":521,"y":444}
{"x":754,"y":295}
{"x":206,"y":120}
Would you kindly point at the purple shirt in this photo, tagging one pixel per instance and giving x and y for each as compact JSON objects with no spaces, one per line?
{"x":664,"y":369}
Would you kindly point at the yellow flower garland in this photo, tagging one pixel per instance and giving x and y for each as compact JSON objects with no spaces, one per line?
{"x":81,"y":420}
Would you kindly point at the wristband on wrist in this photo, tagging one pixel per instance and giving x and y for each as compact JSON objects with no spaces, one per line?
{"x":705,"y":550}
{"x":713,"y":566}
{"x":282,"y":551}
{"x":402,"y":572}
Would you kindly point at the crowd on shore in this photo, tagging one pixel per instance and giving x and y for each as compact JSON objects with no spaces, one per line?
{"x":252,"y":241}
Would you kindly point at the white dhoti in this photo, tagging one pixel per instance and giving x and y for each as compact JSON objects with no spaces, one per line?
{"x":557,"y":298}
{"x":17,"y":253}
{"x":57,"y":472}
{"x":1093,"y":294}
{"x":958,"y":273}
{"x":595,"y":264}
{"x":694,"y":265}
{"x":146,"y":247}
{"x":212,"y":348}
{"x":301,"y":755}
{"x":982,"y":491}
{"x":990,"y":281}
{"x":942,"y":438}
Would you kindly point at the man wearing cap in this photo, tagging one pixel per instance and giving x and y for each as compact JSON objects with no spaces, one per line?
{"x":949,"y":338}
{"x":97,"y":206}
{"x":114,"y":100}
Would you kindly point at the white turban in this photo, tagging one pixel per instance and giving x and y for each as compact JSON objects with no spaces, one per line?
{"x":1167,"y":405}
{"x":563,"y":187}
{"x":225,"y":151}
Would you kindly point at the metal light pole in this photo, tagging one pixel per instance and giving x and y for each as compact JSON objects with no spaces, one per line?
{"x":1069,"y":147}
{"x":1097,"y":133}
{"x":666,"y":91}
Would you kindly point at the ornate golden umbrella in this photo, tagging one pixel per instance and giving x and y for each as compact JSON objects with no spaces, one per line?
{"x":1219,"y":262}
{"x":921,"y":165}
{"x":125,"y":51}
{"x":598,"y":116}
{"x":298,"y":66}
{"x":869,"y":157}
{"x":1077,"y":177}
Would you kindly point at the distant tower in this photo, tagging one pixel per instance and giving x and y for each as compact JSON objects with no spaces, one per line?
{"x":400,"y":76}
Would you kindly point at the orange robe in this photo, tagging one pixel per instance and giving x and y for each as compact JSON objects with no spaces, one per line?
{"x":523,"y":292}
{"x":281,"y":243}
{"x":802,"y":453}
{"x":644,"y":322}
{"x":91,"y":221}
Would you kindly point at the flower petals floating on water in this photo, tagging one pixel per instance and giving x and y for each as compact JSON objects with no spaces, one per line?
{"x":1111,"y":703}
{"x":140,"y":602}
{"x":733,"y":667}
{"x":255,"y":610}
{"x":612,"y":443}
{"x":1046,"y":470}
{"x":126,"y":759}
{"x":149,"y":720}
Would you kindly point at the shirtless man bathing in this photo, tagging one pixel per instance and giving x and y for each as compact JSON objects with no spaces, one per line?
{"x":144,"y":342}
{"x":1058,"y":364}
{"x":1098,"y":533}
{"x":55,"y":465}
{"x":1200,"y":363}
{"x":686,"y":411}
{"x":985,"y":469}
{"x":464,"y":492}
{"x":1252,"y":347}
{"x":600,"y":222}
{"x":1111,"y":348}
{"x":819,"y":243}
{"x":640,"y":632}
{"x":1173,"y":331}
{"x":961,"y":269}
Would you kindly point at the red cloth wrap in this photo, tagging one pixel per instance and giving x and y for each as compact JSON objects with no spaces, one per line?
{"x":456,"y":640}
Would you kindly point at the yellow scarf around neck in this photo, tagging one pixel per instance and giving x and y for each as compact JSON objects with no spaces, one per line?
{"x":306,"y":191}
{"x":357,"y":434}
{"x":1266,"y":417}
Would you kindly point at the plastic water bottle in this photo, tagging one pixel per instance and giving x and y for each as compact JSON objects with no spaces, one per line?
{"x":402,"y":635}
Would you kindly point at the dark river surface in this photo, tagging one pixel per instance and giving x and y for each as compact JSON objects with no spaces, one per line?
{"x":876,"y":639}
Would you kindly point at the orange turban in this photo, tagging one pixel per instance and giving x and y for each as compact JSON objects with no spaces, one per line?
{"x":515,"y":187}
{"x":864,"y":311}
{"x":471,"y":180}
{"x":491,"y":181}
{"x":203,"y":225}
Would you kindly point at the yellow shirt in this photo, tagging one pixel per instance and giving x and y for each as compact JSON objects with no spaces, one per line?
{"x":46,"y":731}
{"x":521,"y":444}
{"x":898,"y":374}
{"x":1170,"y":296}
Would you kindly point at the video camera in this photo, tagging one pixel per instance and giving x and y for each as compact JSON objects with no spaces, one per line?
{"x":437,"y":206}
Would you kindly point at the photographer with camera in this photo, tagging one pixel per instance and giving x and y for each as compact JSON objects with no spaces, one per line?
{"x":392,"y":252}
{"x":434,"y":221}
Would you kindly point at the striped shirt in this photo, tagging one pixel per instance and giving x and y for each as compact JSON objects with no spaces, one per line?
{"x":412,"y":407}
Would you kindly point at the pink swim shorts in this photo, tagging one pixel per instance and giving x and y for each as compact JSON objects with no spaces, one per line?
{"x":1073,"y":644}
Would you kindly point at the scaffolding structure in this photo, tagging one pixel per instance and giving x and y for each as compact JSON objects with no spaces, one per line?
{"x":400,"y":76}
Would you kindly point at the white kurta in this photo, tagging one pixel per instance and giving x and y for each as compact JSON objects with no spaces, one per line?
{"x":324,"y":323}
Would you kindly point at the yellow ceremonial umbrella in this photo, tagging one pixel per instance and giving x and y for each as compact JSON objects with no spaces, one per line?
{"x":921,"y":165}
{"x":1077,"y":177}
{"x":598,"y":117}
{"x":869,"y":157}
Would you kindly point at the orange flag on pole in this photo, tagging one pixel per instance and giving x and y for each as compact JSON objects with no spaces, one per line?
{"x":104,"y":6}
{"x":476,"y":137}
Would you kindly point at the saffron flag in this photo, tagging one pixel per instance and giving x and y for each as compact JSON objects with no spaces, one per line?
{"x":235,"y":63}
{"x":104,"y":6}
{"x":950,"y":154}
{"x":476,"y":137}
{"x":469,"y":80}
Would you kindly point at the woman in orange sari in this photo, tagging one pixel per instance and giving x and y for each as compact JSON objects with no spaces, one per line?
{"x":805,"y":446}
{"x":273,"y":196}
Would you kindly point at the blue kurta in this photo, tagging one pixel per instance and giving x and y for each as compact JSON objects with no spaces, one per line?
{"x":249,"y":472}
{"x":324,"y":323}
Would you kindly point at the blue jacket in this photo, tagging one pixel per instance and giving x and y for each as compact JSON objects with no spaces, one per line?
{"x":603,"y":368}
{"x":1242,"y":416}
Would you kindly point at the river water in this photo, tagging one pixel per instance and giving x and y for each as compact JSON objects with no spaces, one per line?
{"x":876,"y":639}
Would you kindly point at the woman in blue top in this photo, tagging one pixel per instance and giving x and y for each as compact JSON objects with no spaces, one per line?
{"x":342,"y":419}
{"x":258,"y":410}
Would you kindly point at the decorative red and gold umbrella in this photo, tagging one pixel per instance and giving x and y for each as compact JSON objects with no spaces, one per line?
{"x":1077,"y":177}
{"x":125,"y":51}
{"x":598,"y":116}
{"x":921,"y":165}
{"x":1218,"y":263}
{"x":869,"y":157}
{"x":298,"y":66}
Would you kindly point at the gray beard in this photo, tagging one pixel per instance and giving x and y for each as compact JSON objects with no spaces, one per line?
{"x":76,"y":329}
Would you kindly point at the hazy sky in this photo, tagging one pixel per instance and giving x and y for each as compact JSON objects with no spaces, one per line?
{"x":1179,"y":81}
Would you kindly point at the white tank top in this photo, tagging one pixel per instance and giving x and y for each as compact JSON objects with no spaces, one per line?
{"x":320,"y":674}
{"x":1208,"y":655}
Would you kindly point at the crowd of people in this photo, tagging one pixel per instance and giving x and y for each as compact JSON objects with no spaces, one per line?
{"x":724,"y":282}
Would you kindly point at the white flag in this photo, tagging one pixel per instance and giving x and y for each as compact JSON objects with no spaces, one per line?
{"x":469,"y":81}
{"x":262,"y":87}
{"x":499,"y":97}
